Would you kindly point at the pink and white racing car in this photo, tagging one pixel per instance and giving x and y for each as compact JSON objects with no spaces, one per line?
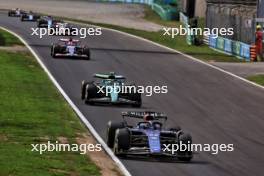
{"x":70,"y":48}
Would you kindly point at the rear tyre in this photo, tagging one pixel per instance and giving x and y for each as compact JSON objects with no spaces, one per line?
{"x":40,"y":23}
{"x":186,"y":155}
{"x":83,"y":86}
{"x":111,"y":130}
{"x":86,"y":51}
{"x":90,"y":92}
{"x":122,"y":141}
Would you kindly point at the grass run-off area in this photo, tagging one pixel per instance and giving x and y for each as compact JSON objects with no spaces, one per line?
{"x":32,"y":112}
{"x":7,"y":39}
{"x":259,"y":79}
{"x":179,"y":42}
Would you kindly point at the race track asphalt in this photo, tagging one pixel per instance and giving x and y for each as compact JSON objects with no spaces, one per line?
{"x":214,"y":107}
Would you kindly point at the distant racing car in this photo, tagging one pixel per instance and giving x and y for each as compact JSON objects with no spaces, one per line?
{"x":16,"y":12}
{"x":62,"y":28}
{"x":70,"y":48}
{"x":96,"y":92}
{"x":29,"y":16}
{"x":148,"y":137}
{"x":47,"y":21}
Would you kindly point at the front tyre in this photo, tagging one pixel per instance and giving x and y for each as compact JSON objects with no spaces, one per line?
{"x":86,"y":51}
{"x":54,"y":50}
{"x":186,"y":155}
{"x":111,"y":130}
{"x":122,"y":142}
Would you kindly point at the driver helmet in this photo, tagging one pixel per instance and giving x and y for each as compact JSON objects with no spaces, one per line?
{"x":258,"y":27}
{"x":147,"y":117}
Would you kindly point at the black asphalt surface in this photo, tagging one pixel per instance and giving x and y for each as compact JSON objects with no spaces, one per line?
{"x":214,"y":107}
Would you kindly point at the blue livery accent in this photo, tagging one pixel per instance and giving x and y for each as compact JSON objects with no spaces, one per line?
{"x":49,"y":23}
{"x":154,"y":140}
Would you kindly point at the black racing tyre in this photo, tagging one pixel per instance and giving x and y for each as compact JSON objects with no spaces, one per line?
{"x":54,"y":50}
{"x":122,"y":141}
{"x":83,"y":87}
{"x":86,"y":51}
{"x":185,"y":138}
{"x":40,"y":23}
{"x":51,"y":50}
{"x":111,"y":130}
{"x":90,"y":92}
{"x":186,"y":155}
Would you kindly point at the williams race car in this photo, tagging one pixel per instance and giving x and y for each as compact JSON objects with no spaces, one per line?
{"x":62,"y":28}
{"x":69,"y":48}
{"x":16,"y":12}
{"x":148,"y":137}
{"x":30,"y":16}
{"x":47,"y":21}
{"x":106,"y":91}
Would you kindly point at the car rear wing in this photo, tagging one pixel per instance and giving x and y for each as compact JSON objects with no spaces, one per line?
{"x":109,"y":76}
{"x":66,"y":40}
{"x":140,"y":115}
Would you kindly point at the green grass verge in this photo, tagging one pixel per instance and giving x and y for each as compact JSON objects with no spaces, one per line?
{"x":259,"y":79}
{"x":7,"y":39}
{"x":32,"y":111}
{"x":179,"y":42}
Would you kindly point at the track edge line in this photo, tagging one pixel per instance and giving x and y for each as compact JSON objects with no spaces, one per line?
{"x":73,"y":106}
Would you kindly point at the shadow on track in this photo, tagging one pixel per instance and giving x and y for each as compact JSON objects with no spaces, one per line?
{"x":116,"y":50}
{"x":134,"y":51}
{"x":161,"y":160}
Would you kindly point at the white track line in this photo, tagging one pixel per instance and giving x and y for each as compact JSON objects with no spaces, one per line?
{"x":173,"y":50}
{"x":74,"y":107}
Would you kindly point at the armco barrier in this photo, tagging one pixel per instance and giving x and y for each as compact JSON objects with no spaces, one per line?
{"x":206,"y":39}
{"x":236,"y":48}
{"x":242,"y":50}
{"x":185,"y":21}
{"x":220,"y":43}
{"x":245,"y":51}
{"x":149,"y":2}
{"x":166,"y":12}
{"x":228,"y":45}
{"x":163,"y":8}
{"x":212,"y":41}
